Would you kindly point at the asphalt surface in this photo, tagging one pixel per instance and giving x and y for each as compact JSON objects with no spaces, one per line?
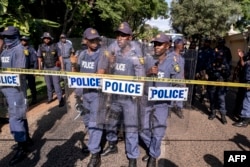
{"x":193,"y":141}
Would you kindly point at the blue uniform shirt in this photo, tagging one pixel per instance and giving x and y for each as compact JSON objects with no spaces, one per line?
{"x":13,"y":57}
{"x":114,"y":48}
{"x":129,"y":63}
{"x":31,"y":57}
{"x":92,"y":63}
{"x":164,"y":69}
{"x":66,"y":48}
{"x":178,"y":63}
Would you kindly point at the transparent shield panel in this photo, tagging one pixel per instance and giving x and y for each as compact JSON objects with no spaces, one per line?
{"x":190,"y":57}
{"x":3,"y":106}
{"x":178,"y":124}
{"x":123,"y":105}
{"x":119,"y":104}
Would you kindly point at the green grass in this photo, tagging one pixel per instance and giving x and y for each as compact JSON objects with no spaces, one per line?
{"x":40,"y":88}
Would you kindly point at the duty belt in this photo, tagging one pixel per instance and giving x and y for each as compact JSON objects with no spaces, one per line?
{"x":16,"y":87}
{"x":90,"y":90}
{"x":122,"y":97}
{"x":66,"y":57}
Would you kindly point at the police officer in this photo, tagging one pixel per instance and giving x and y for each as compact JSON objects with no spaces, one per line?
{"x":66,"y":49}
{"x":90,"y":97}
{"x":245,"y":112}
{"x":155,"y":113}
{"x":218,"y":70}
{"x":178,"y":71}
{"x":49,"y":58}
{"x":224,"y":51}
{"x":239,"y":74}
{"x":204,"y":54}
{"x":31,"y":63}
{"x":13,"y":57}
{"x":126,"y":62}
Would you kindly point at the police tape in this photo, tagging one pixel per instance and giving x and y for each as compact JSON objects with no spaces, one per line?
{"x":122,"y":77}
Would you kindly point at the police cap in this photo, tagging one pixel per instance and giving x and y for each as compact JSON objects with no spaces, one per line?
{"x":91,"y":33}
{"x":62,"y":36}
{"x":46,"y":35}
{"x":10,"y":31}
{"x":124,"y":28}
{"x":25,"y":38}
{"x":179,"y":41}
{"x":161,"y":37}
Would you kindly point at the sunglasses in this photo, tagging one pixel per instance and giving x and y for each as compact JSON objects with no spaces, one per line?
{"x":158,"y":44}
{"x":120,"y":34}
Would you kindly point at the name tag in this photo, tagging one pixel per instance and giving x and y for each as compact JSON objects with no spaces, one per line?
{"x":9,"y":80}
{"x":84,"y":82}
{"x":122,"y":87}
{"x":167,"y":93}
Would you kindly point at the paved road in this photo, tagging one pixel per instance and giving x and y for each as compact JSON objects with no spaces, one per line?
{"x":194,"y":141}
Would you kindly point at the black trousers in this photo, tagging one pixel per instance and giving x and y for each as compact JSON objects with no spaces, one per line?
{"x":32,"y":85}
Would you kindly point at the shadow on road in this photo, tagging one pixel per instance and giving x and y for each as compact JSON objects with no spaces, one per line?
{"x":241,"y":141}
{"x":164,"y":162}
{"x":68,"y":153}
{"x":43,"y":125}
{"x":213,"y":161}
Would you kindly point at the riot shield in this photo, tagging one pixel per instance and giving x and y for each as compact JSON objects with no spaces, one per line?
{"x":190,"y":57}
{"x":117,"y":106}
{"x":3,"y":106}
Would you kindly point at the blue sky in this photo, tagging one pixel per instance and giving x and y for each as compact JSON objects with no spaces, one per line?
{"x":162,"y":24}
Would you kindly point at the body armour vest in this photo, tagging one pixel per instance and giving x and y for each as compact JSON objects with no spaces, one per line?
{"x":89,"y":64}
{"x":49,"y":55}
{"x":125,"y":63}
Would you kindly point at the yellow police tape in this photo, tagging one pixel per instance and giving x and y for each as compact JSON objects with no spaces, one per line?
{"x":122,"y":77}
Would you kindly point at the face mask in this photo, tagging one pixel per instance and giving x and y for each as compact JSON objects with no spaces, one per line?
{"x":10,"y":40}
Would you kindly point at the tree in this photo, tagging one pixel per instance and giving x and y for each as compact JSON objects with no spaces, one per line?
{"x":110,"y":13}
{"x":73,"y":16}
{"x":16,"y":13}
{"x":244,"y":20}
{"x":204,"y":18}
{"x":148,"y":32}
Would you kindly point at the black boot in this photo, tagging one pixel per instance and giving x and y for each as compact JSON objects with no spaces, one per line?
{"x":85,"y":150}
{"x":151,"y":162}
{"x":20,"y":154}
{"x":223,"y":119}
{"x":95,"y":160}
{"x":111,"y":149}
{"x":179,"y":113}
{"x":132,"y":162}
{"x":61,"y":103}
{"x":145,"y":158}
{"x":212,"y":115}
{"x":29,"y":143}
{"x":242,"y":123}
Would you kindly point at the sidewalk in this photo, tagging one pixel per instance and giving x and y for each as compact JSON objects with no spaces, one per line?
{"x":194,"y":141}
